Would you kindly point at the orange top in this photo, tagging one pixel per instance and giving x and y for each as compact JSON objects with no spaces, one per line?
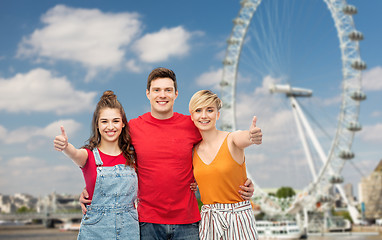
{"x":220,"y":180}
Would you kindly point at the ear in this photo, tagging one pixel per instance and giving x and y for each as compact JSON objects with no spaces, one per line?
{"x":176,"y":94}
{"x":218,"y":116}
{"x":147,"y":93}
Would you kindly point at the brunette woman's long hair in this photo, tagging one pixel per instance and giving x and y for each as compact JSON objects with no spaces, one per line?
{"x":109,"y":100}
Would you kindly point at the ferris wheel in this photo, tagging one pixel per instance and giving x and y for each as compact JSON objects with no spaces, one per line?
{"x":347,"y":124}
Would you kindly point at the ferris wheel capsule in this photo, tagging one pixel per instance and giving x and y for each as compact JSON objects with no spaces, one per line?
{"x":323,"y":198}
{"x":246,"y":3}
{"x":233,"y":41}
{"x":336,"y":179}
{"x":354,"y":126}
{"x":238,"y":21}
{"x":346,"y":154}
{"x":223,"y":83}
{"x":358,"y":95}
{"x":355,"y":36}
{"x":350,"y":10}
{"x":228,"y":61}
{"x":359,"y":65}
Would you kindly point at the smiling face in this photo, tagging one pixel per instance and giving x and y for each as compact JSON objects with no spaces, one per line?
{"x":110,"y":124}
{"x":162,"y":95}
{"x":205,"y":118}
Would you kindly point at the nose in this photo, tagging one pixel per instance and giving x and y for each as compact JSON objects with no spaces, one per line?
{"x":162,"y":94}
{"x":204,"y":114}
{"x":110,"y":125}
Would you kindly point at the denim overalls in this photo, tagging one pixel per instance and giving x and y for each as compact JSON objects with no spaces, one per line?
{"x":112,"y":214}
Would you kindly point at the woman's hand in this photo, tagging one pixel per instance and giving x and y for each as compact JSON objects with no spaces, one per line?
{"x":247,"y":190}
{"x":84,"y":200}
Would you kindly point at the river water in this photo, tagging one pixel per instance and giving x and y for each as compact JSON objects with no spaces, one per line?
{"x":38,"y":232}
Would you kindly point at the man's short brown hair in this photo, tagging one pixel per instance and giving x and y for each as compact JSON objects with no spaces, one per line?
{"x":161,"y":72}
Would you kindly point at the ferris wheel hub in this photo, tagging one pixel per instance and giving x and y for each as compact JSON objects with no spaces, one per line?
{"x":290,"y":91}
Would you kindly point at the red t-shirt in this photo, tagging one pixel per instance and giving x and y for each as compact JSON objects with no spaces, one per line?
{"x":90,"y":169}
{"x":164,"y":159}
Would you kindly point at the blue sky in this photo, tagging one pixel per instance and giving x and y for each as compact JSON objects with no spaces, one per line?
{"x":57,"y":57}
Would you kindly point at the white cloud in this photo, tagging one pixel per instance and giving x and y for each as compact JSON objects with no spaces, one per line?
{"x":3,"y":132}
{"x":133,"y":66}
{"x":24,"y":174}
{"x":249,"y":104}
{"x":267,"y":82}
{"x":372,"y":134}
{"x":88,"y":36}
{"x":40,"y":91}
{"x":53,"y":129}
{"x":24,"y":134}
{"x":160,"y":46}
{"x":334,"y":101}
{"x":24,"y":162}
{"x":372,"y":79}
{"x":210,"y":79}
{"x":213,"y":78}
{"x":376,"y":114}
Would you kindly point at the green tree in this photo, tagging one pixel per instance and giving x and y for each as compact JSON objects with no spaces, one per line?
{"x":24,"y":209}
{"x":285,"y":192}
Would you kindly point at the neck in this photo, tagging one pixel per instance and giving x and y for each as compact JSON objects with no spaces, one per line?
{"x":110,"y":148}
{"x":162,"y":116}
{"x":209,"y":135}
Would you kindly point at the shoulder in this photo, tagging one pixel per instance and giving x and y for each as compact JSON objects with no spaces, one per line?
{"x":90,"y":161}
{"x":139,"y":118}
{"x":181,"y":116}
{"x":231,"y":136}
{"x":88,"y":150}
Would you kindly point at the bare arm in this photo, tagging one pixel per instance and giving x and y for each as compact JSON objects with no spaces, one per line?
{"x":79,"y":156}
{"x":243,"y":139}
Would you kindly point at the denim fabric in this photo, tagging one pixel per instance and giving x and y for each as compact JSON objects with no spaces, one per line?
{"x":152,"y":231}
{"x":112,"y":214}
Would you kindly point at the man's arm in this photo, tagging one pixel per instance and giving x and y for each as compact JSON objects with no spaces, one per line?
{"x":246,"y":191}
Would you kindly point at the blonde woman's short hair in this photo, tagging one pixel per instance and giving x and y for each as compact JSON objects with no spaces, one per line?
{"x":204,"y":98}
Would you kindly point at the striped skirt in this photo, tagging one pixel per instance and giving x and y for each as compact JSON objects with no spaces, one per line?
{"x":227,"y":222}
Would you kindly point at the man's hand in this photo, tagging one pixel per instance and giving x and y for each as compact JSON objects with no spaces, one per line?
{"x":255,"y":134}
{"x":247,"y":190}
{"x":194,"y":187}
{"x":84,"y":200}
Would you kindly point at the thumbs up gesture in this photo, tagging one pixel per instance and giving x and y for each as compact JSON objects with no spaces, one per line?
{"x":255,"y":134}
{"x":61,"y":141}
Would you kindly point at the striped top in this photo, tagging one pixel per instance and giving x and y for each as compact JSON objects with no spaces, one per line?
{"x":219,"y":181}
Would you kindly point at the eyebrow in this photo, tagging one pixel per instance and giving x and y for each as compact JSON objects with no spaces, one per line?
{"x":107,"y":118}
{"x":172,"y":88}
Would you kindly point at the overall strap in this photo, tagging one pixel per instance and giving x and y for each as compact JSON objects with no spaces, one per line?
{"x":97,"y":157}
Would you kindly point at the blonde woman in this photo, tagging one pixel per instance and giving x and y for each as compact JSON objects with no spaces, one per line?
{"x":219,"y":170}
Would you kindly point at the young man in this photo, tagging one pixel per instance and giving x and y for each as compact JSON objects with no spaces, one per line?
{"x":163,"y":141}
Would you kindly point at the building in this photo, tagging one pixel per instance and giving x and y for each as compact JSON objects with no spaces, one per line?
{"x":51,"y":203}
{"x":10,"y":204}
{"x":370,"y":190}
{"x":348,"y":188}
